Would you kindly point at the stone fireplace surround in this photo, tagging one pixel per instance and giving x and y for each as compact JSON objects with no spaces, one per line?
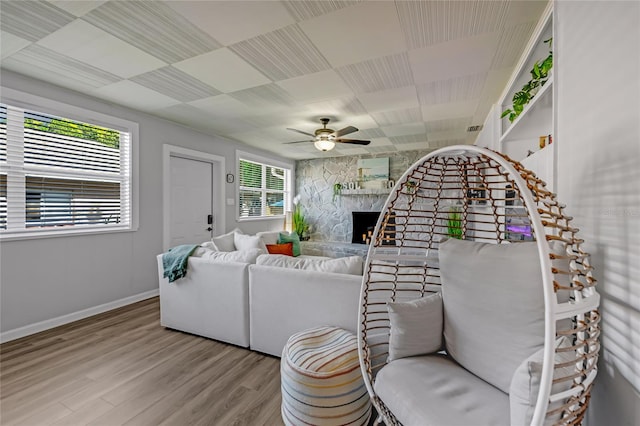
{"x":331,"y":216}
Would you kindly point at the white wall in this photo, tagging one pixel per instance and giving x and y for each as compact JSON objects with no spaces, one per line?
{"x":43,"y":279}
{"x":597,"y":57}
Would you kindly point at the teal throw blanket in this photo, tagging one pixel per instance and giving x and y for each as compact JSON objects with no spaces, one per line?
{"x":175,"y":261}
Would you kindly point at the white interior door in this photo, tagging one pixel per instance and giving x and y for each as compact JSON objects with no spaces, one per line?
{"x":191,"y":201}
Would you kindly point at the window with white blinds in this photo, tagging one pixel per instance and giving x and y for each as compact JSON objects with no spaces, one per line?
{"x":263,"y":189}
{"x":62,"y":175}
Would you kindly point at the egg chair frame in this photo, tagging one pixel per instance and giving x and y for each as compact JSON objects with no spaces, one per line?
{"x":489,"y":192}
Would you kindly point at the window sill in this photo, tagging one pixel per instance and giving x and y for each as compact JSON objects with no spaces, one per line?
{"x":254,"y":218}
{"x":32,"y":235}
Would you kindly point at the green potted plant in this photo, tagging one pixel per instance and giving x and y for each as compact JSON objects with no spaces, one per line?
{"x":337,"y":190}
{"x":539,"y":76}
{"x":300,"y":224}
{"x":454,"y":223}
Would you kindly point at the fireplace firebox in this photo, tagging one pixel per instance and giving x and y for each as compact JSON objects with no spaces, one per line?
{"x":364,"y":224}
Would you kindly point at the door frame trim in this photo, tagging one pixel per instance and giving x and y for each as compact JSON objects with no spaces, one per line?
{"x":169,"y":151}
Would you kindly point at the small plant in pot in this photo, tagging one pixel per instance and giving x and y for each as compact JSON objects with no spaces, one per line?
{"x":454,"y":223}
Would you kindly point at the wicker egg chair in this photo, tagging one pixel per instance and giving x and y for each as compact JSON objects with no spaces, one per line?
{"x":492,"y":195}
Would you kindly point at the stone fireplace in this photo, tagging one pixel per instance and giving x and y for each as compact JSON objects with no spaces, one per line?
{"x":363,"y":225}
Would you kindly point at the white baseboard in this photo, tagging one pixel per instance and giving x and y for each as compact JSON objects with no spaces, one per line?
{"x":74,"y":316}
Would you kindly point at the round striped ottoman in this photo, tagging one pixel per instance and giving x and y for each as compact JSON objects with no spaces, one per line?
{"x":321,"y":379}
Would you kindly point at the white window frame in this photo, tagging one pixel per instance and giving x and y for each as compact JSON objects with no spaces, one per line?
{"x":28,"y":101}
{"x":288,"y":184}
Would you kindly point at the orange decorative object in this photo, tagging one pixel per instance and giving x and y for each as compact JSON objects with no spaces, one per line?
{"x":284,"y":248}
{"x":543,"y":141}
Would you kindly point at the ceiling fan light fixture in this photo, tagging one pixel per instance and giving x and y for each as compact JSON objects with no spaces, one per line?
{"x":324,"y":145}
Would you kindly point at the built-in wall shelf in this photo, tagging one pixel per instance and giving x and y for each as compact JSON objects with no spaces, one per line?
{"x":520,"y":139}
{"x":536,"y":118}
{"x":366,"y":191}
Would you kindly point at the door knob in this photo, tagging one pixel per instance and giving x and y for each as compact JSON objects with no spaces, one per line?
{"x":209,"y":229}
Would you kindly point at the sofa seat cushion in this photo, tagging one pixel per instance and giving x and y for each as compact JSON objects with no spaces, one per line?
{"x":343,"y":265}
{"x":435,"y":390}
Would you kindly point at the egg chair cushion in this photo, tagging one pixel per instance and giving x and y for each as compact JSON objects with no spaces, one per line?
{"x":525,"y":384}
{"x":493,"y":306}
{"x":435,"y":390}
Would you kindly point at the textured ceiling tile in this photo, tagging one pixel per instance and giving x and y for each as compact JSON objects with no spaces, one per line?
{"x":302,"y":10}
{"x":404,"y":129}
{"x":391,"y":99}
{"x":282,"y":54}
{"x":233,"y":21}
{"x":315,"y":87}
{"x":367,"y":30}
{"x":223,"y":106}
{"x":44,"y":64}
{"x":135,"y":96}
{"x":176,"y":84}
{"x":336,"y":108}
{"x":77,"y":7}
{"x":425,"y":23}
{"x":451,"y":90}
{"x":10,"y":44}
{"x":91,"y":45}
{"x":224,"y":70}
{"x":381,"y":149}
{"x":388,"y":72}
{"x":264,"y":96}
{"x":152,"y":27}
{"x":406,"y":139}
{"x":454,"y":58}
{"x":455,"y":124}
{"x":372,"y":133}
{"x":32,"y":20}
{"x":388,"y":118}
{"x":510,"y":44}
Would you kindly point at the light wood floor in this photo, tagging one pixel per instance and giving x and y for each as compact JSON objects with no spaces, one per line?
{"x":122,"y":367}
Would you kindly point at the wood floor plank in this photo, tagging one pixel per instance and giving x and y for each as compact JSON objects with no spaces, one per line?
{"x":122,"y":368}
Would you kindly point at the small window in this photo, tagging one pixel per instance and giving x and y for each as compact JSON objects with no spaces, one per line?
{"x":61,"y":174}
{"x":263,"y":189}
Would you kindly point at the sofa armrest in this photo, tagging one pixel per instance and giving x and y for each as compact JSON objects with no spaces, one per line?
{"x":285,"y":301}
{"x":212,"y":300}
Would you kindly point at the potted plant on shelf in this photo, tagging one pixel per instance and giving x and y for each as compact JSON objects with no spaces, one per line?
{"x":337,"y":190}
{"x":539,"y":76}
{"x":454,"y":223}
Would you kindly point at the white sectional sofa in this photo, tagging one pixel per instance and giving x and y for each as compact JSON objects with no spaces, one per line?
{"x":261,"y":305}
{"x":284,"y":301}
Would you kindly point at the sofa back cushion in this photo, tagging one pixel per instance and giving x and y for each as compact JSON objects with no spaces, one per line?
{"x":225,"y":242}
{"x":493,"y":306}
{"x":239,"y":256}
{"x":351,"y":265}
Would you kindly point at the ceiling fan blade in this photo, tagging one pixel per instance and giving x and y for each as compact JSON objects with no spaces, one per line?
{"x":300,"y":131}
{"x":287,"y":143}
{"x":345,"y":131}
{"x":353,"y":141}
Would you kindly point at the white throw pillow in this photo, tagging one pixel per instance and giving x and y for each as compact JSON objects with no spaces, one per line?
{"x":225,"y":242}
{"x":239,"y":256}
{"x":416,"y":327}
{"x":246,"y":242}
{"x":351,"y":265}
{"x":525,"y":384}
{"x":493,"y":306}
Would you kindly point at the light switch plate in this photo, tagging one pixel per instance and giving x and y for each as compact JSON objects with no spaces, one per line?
{"x":230,"y":201}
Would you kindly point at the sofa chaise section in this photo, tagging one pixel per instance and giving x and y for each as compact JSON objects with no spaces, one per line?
{"x":285,"y":301}
{"x":212,"y":300}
